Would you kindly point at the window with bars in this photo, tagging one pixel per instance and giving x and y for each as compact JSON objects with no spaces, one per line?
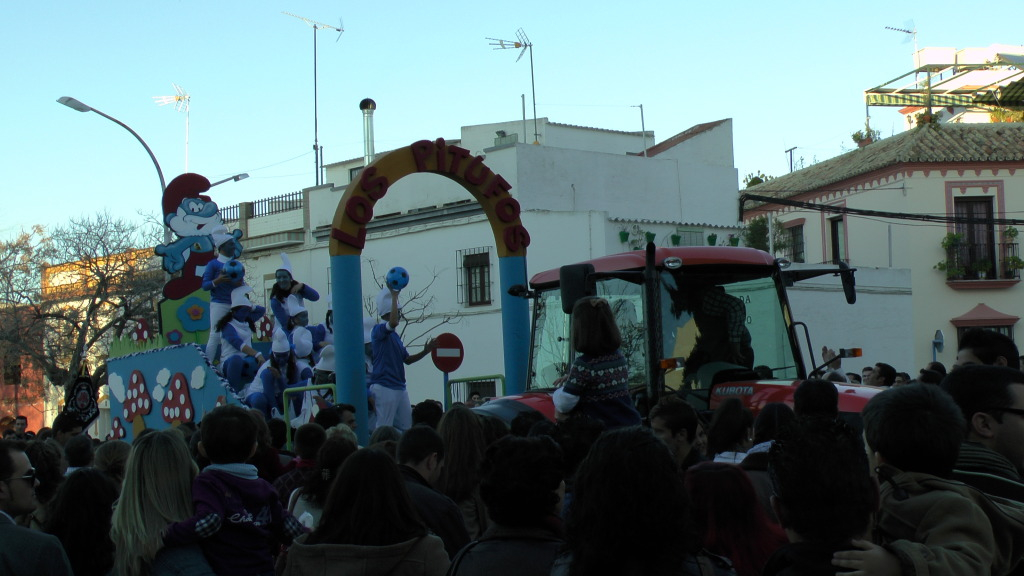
{"x":795,"y":248}
{"x":474,"y":276}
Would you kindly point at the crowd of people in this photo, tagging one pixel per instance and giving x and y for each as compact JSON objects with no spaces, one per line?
{"x":927,"y":480}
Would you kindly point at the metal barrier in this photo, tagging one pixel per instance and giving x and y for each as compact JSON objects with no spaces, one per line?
{"x":497,"y":379}
{"x":288,"y":419}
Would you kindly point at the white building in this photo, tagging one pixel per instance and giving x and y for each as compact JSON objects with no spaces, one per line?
{"x":585,"y":193}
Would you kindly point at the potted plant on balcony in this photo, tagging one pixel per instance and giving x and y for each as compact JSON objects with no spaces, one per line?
{"x":953,"y":270}
{"x":952,"y":240}
{"x":1010,"y":234}
{"x":1011,"y":266}
{"x":981,"y":267}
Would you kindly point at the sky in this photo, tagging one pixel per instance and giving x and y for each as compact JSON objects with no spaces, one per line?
{"x":789,"y":74}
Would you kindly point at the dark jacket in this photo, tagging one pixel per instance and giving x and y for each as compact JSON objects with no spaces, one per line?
{"x":506,"y":551}
{"x":988,"y":471}
{"x":439,"y":512}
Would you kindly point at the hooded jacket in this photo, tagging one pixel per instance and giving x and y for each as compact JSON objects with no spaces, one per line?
{"x":423,"y":556}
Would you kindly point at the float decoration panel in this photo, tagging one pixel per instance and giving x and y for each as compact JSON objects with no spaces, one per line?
{"x":163,"y":388}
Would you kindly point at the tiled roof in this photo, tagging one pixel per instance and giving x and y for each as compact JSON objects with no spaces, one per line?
{"x":682,"y":137}
{"x":939,"y":144}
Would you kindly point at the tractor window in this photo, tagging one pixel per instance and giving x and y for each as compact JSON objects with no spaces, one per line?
{"x":552,"y":352}
{"x":710,"y":327}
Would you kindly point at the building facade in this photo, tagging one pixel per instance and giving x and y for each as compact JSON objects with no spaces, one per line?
{"x":585,"y":193}
{"x":941,"y":202}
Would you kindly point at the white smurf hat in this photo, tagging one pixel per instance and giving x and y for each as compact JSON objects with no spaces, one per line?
{"x":291,"y":304}
{"x":240,"y":296}
{"x":286,"y":264}
{"x":384,"y":302}
{"x":302,"y":341}
{"x":220,"y":235}
{"x":280,"y":343}
{"x":326,"y":363}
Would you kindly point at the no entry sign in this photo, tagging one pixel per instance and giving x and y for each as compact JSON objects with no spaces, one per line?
{"x":447,"y":356}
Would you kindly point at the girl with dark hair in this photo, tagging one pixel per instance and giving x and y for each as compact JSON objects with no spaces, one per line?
{"x":307,"y":503}
{"x":79,"y":515}
{"x":464,"y":447}
{"x":730,"y":433}
{"x":726,"y":511}
{"x":629,"y":514}
{"x":239,"y":359}
{"x":284,"y":286}
{"x":369,"y":526}
{"x":598,"y":381}
{"x":769,"y":424}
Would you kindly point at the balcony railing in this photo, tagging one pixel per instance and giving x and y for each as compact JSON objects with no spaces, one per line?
{"x":974,"y":261}
{"x":277,"y":204}
{"x":264,"y":207}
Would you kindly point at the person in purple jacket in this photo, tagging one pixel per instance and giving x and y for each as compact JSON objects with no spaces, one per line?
{"x":285,"y":285}
{"x":238,"y":515}
{"x":219,"y":285}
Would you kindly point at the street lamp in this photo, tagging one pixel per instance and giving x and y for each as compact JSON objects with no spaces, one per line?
{"x":234,"y":178}
{"x":77,"y":105}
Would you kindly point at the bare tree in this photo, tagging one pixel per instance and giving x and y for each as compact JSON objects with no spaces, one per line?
{"x":417,"y":307}
{"x":65,"y":295}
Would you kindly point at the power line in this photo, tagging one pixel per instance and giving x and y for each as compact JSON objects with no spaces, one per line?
{"x":833,"y":209}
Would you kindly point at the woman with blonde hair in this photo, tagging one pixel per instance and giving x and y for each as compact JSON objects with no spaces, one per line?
{"x":157,"y":491}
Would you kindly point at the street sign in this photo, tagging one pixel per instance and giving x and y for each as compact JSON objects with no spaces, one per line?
{"x":447,"y":356}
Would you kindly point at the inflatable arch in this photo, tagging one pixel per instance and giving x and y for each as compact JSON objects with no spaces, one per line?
{"x":348,"y":236}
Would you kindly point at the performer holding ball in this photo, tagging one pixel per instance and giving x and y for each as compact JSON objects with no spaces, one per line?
{"x":285,"y":285}
{"x":387,"y":377}
{"x":220,"y":284}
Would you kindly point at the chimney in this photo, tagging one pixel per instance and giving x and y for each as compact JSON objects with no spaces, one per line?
{"x":367,"y":106}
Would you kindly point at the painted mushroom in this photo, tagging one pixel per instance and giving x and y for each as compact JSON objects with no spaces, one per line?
{"x":117,"y":431}
{"x":137,"y":402}
{"x":177,"y":405}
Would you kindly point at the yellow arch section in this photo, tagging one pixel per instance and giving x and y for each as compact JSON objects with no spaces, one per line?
{"x":348,"y":230}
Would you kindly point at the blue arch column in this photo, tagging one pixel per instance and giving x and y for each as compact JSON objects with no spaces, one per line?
{"x":350,"y":371}
{"x":515,"y":324}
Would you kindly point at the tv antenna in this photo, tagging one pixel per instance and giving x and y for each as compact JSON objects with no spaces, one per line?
{"x":317,"y":150}
{"x":180,"y":99}
{"x":524,"y":43}
{"x":911,"y":36}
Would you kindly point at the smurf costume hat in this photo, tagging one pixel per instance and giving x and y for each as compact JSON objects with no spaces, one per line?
{"x":286,"y":264}
{"x":220,"y":236}
{"x":240,"y":296}
{"x":280,"y":343}
{"x":384,"y":302}
{"x":292,"y":306}
{"x":326,"y":363}
{"x":302,"y":341}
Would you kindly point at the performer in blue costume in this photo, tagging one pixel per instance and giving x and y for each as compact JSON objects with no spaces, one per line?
{"x":219,"y":285}
{"x":265,"y":391}
{"x":285,"y":285}
{"x":241,"y":360}
{"x":299,"y":316}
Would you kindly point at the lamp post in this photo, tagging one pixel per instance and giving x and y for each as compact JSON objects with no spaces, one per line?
{"x":77,"y":105}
